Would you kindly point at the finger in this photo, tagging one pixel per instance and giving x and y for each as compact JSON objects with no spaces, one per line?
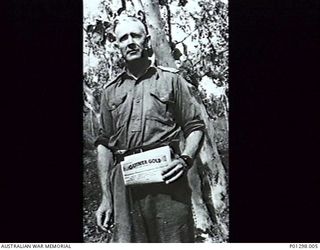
{"x":175,"y":177}
{"x":107,"y":219}
{"x":172,"y":171}
{"x":170,"y":166}
{"x":103,"y":228}
{"x":99,"y":221}
{"x":173,"y":163}
{"x":99,"y":218}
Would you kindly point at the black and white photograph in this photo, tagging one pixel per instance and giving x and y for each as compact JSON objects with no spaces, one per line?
{"x":155,"y":121}
{"x":160,"y":121}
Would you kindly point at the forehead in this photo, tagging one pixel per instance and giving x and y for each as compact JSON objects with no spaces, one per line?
{"x":128,"y":26}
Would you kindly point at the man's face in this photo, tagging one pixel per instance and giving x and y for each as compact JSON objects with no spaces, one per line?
{"x":131,"y":38}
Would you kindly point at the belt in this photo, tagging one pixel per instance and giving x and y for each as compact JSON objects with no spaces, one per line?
{"x":120,"y":154}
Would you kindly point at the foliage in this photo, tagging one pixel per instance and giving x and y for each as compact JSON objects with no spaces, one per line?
{"x":203,"y":50}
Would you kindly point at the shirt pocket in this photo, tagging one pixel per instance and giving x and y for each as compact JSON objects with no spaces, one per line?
{"x":117,"y":107}
{"x":162,"y":104}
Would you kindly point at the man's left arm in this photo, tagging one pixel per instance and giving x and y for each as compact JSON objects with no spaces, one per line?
{"x":188,"y":116}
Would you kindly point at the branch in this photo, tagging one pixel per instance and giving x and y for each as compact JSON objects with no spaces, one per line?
{"x":187,"y":36}
{"x":137,"y":6}
{"x":124,"y":6}
{"x":223,"y":51}
{"x":169,"y":22}
{"x":196,"y":63}
{"x":194,"y":18}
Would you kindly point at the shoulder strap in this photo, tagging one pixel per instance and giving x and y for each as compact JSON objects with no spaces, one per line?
{"x":113,"y":80}
{"x":168,"y":69}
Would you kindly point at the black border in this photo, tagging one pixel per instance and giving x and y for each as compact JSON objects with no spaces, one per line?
{"x":274,"y":128}
{"x":42,"y":119}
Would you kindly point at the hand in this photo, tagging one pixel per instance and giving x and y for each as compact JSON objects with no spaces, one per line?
{"x":174,"y":170}
{"x":104,"y":215}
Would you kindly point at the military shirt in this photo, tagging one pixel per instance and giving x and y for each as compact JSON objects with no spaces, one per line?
{"x":151,"y":109}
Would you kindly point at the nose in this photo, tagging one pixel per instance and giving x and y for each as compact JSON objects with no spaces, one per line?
{"x":130,"y":40}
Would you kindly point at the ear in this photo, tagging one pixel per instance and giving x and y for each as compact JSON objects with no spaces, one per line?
{"x":147,"y":41}
{"x":141,"y":15}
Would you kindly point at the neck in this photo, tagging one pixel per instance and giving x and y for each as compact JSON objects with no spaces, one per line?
{"x":138,"y":67}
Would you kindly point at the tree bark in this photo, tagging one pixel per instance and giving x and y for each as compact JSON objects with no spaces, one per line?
{"x":159,"y":43}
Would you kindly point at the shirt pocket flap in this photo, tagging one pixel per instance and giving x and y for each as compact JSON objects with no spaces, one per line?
{"x":115,"y":102}
{"x":162,"y":97}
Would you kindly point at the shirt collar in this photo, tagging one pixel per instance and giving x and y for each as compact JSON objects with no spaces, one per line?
{"x":125,"y":74}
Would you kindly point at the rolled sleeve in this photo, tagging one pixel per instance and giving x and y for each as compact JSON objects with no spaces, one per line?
{"x":105,"y":123}
{"x":187,"y":109}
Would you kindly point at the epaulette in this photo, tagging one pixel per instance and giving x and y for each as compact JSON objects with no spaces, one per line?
{"x":113,"y":80}
{"x":172,"y":70}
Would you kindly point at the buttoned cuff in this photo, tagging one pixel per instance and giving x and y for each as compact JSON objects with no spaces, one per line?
{"x":102,"y":140}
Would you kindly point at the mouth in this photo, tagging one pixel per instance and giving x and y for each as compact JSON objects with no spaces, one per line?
{"x":130,"y":52}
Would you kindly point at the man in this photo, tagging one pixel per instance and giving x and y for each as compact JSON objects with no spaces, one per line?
{"x":144,"y":108}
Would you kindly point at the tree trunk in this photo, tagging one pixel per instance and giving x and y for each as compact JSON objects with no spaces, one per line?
{"x":208,"y":178}
{"x":159,"y":43}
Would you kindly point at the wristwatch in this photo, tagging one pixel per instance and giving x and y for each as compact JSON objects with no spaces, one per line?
{"x":188,"y":160}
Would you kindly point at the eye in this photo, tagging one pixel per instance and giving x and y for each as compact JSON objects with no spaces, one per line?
{"x":123,"y":38}
{"x":136,"y":35}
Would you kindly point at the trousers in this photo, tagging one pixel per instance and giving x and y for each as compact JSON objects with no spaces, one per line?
{"x":157,"y":213}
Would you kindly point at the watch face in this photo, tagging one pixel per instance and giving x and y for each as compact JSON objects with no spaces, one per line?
{"x":187,"y":160}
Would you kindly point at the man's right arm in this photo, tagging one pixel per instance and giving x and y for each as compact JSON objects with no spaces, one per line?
{"x":105,"y":211}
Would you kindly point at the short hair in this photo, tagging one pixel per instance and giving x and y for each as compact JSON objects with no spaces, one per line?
{"x":125,"y":17}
